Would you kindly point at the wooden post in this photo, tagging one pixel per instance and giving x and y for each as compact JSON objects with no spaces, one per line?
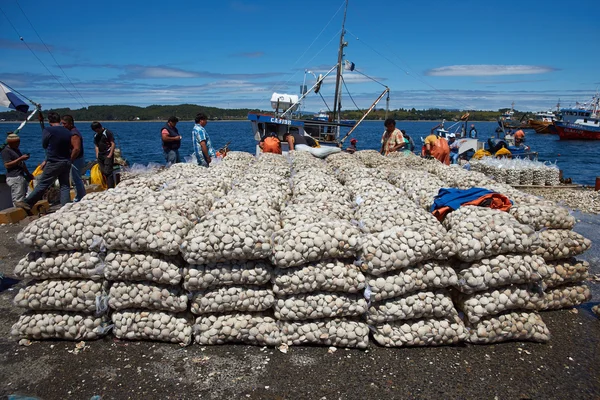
{"x":597,"y":187}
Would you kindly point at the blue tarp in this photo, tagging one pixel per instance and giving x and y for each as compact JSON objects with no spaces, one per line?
{"x":454,"y":198}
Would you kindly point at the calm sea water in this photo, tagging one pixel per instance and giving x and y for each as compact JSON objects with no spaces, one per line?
{"x":140,"y":142}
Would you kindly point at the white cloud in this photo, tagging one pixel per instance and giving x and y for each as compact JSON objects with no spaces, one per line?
{"x":488,"y":70}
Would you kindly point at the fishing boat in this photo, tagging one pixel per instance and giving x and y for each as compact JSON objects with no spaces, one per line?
{"x":506,"y":121}
{"x":543,"y":122}
{"x":325,"y":129}
{"x":581,"y":122}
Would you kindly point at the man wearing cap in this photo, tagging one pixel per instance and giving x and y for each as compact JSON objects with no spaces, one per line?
{"x":56,"y":140}
{"x":453,"y":145}
{"x":17,"y":174}
{"x":352,"y":148}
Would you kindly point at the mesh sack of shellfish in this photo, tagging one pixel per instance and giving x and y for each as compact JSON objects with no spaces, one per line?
{"x":137,"y":171}
{"x":305,"y":164}
{"x":526,"y":177}
{"x":330,"y":332}
{"x":79,"y":230}
{"x":238,"y":158}
{"x":319,"y":305}
{"x":539,"y":176}
{"x":424,"y":332}
{"x":257,"y":329}
{"x":349,"y":173}
{"x":243,"y":273}
{"x":423,"y":193}
{"x":342,"y":160}
{"x":425,"y":276}
{"x":254,"y":180}
{"x":554,"y":244}
{"x":371,"y":158}
{"x":121,"y":196}
{"x":419,"y":305}
{"x":484,"y":232}
{"x":552,"y":175}
{"x":509,"y":326}
{"x":541,"y":216}
{"x":559,"y":272}
{"x":328,"y":276}
{"x":125,"y":266}
{"x":301,"y":244}
{"x":596,"y":309}
{"x":400,"y":176}
{"x":148,"y":296}
{"x":237,"y":199}
{"x":82,"y":296}
{"x":401,"y":247}
{"x":513,"y":176}
{"x":232,"y":298}
{"x":62,"y":264}
{"x":223,"y":235}
{"x":270,"y":163}
{"x":374,"y":199}
{"x":185,"y":208}
{"x":566,"y":296}
{"x":379,"y":217}
{"x":310,"y":212}
{"x":161,"y":326}
{"x":495,"y":301}
{"x":143,"y":229}
{"x":498,"y":271}
{"x":60,"y":325}
{"x":363,"y":187}
{"x":312,"y":183}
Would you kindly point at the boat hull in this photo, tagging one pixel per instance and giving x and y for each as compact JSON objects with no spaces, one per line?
{"x":577,"y":132}
{"x":542,"y":126}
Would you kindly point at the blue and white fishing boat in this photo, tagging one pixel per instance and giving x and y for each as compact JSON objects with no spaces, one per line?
{"x":325,"y":129}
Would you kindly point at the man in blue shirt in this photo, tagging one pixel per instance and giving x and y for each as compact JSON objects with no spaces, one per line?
{"x":473,"y":132}
{"x":203,"y":148}
{"x":56,"y":140}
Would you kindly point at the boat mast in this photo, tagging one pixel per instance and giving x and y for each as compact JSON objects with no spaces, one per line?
{"x":337,"y":102}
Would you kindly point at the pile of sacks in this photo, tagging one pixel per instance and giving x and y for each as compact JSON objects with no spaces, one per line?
{"x":518,"y":171}
{"x":318,"y":289}
{"x":405,"y":255}
{"x":296,"y":250}
{"x":228,"y":275}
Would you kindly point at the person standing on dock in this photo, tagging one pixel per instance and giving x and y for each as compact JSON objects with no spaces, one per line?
{"x":171,"y":140}
{"x":392,"y":139}
{"x":77,"y":159}
{"x":203,"y":148}
{"x":56,"y":140}
{"x":104,"y":141}
{"x":17,"y":174}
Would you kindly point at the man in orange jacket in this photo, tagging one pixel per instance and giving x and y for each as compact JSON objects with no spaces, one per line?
{"x":270,"y":144}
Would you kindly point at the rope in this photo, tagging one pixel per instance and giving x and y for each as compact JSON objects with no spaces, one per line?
{"x":35,"y":55}
{"x":325,"y":102}
{"x":308,"y":48}
{"x":367,"y":76}
{"x":49,"y":52}
{"x":349,"y":95}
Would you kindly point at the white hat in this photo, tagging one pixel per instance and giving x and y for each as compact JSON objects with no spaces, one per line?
{"x":451,"y":135}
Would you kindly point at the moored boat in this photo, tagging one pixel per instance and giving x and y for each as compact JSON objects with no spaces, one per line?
{"x":324,"y":129}
{"x":543,"y":122}
{"x":580,"y":123}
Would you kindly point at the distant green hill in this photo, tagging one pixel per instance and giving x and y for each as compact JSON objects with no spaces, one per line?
{"x":189,"y":111}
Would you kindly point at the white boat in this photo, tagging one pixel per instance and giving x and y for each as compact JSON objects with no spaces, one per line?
{"x":326,"y":129}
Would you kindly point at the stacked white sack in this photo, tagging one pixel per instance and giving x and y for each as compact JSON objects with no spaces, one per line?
{"x":497,"y":275}
{"x":144,"y":260}
{"x":408,"y":301}
{"x":318,"y":288}
{"x":66,"y":299}
{"x":228,"y":276}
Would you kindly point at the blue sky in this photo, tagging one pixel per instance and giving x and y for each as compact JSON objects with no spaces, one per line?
{"x":459,"y":54}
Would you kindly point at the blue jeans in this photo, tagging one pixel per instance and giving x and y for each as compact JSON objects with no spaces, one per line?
{"x":76,"y":169}
{"x":52,"y":171}
{"x":172,"y":156}
{"x":454,"y":158}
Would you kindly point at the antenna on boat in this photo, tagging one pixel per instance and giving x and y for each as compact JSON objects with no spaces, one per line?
{"x":337,"y":102}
